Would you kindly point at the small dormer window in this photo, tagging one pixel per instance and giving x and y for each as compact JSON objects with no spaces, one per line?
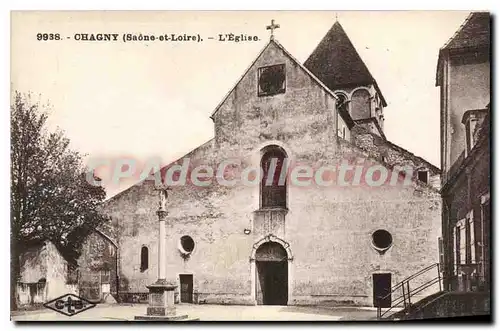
{"x":271,"y":80}
{"x":423,"y":176}
{"x":472,"y":120}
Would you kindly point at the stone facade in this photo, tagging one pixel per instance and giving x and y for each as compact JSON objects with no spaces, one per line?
{"x":43,"y":275}
{"x":97,"y":267}
{"x":392,"y":155}
{"x":326,"y":232}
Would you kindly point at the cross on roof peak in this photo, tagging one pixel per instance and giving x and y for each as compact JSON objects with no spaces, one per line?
{"x":272,"y":27}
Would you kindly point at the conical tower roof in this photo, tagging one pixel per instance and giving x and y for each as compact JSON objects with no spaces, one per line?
{"x":337,"y":64}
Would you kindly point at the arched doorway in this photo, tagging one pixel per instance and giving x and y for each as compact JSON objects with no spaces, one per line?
{"x":271,"y":285}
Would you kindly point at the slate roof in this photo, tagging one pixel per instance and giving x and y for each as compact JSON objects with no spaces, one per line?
{"x":474,"y":33}
{"x":337,"y":64}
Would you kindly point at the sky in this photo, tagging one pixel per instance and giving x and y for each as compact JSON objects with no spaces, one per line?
{"x":154,"y":99}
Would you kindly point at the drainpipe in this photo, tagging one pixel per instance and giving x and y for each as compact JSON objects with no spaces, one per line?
{"x":117,"y":279}
{"x":336,"y":115}
{"x":445,"y":231}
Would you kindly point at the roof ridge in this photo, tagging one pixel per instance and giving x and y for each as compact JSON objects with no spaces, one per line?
{"x":337,"y":40}
{"x":467,"y":19}
{"x":401,"y":149}
{"x":280,"y":46}
{"x":321,"y":39}
{"x":413,"y":154}
{"x":387,"y":165}
{"x":239,"y":80}
{"x":105,"y":236}
{"x":140,"y":181}
{"x":313,"y":76}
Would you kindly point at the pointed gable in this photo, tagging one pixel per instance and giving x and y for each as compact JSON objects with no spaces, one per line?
{"x":275,"y":43}
{"x":337,"y":64}
{"x":249,"y":112}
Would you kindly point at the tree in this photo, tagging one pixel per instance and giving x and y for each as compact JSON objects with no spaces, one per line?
{"x":50,"y":196}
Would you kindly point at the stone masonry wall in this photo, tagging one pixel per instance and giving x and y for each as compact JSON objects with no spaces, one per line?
{"x":98,"y":254}
{"x":392,"y":155}
{"x":328,"y":229}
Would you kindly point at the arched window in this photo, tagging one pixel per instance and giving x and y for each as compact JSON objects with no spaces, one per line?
{"x":342,"y":102}
{"x":360,"y":104}
{"x":144,"y":258}
{"x":273,"y":183}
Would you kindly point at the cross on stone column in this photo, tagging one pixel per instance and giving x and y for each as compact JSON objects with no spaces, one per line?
{"x":163,"y":195}
{"x":162,"y":214}
{"x":161,"y":293}
{"x":272,"y":27}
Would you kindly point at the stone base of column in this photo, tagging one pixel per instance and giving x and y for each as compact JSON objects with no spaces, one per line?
{"x":161,"y":303}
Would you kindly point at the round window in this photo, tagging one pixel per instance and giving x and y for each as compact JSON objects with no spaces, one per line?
{"x":186,"y":244}
{"x":382,"y":240}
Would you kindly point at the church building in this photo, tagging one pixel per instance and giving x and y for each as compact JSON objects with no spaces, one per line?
{"x":302,"y":238}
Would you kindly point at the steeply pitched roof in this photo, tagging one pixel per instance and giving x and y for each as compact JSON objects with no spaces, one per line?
{"x":336,"y":62}
{"x":474,"y":33}
{"x":38,"y":245}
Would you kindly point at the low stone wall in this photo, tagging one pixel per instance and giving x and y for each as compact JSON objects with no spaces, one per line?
{"x":223,"y":299}
{"x":34,"y":294}
{"x":331,"y":300}
{"x":133,"y":297}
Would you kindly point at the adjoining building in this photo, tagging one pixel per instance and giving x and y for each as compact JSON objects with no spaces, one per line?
{"x":463,"y":76}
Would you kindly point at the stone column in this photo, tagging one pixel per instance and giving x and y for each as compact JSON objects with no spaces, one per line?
{"x":161,"y":293}
{"x":162,"y":215}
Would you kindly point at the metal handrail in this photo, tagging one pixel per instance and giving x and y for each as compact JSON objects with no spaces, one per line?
{"x":421,"y":272}
{"x":407,"y":279}
{"x":425,"y":285}
{"x":395,"y":304}
{"x":418,"y":273}
{"x":408,"y":293}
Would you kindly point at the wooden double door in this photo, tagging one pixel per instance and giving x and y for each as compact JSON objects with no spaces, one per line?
{"x":271,"y":275}
{"x":272,"y":282}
